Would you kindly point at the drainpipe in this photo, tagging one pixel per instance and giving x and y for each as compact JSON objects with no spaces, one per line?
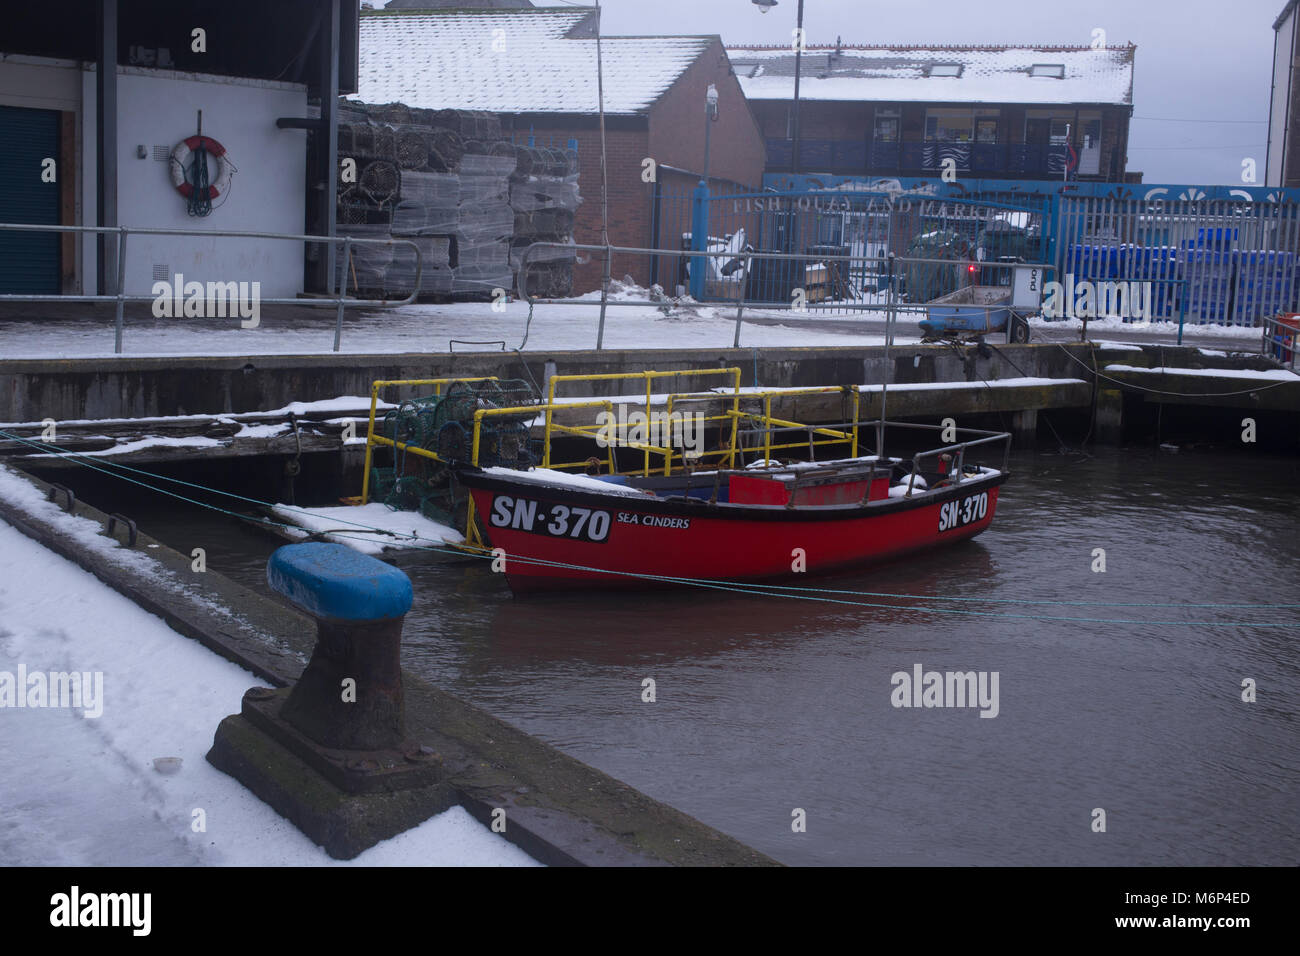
{"x":106,"y":147}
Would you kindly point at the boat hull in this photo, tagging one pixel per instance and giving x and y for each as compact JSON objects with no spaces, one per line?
{"x":557,"y":538}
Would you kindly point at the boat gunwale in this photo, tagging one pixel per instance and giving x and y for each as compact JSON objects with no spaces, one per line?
{"x":685,"y":506}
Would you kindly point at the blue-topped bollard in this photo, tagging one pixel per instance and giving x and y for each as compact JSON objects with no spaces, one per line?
{"x":349,"y":697}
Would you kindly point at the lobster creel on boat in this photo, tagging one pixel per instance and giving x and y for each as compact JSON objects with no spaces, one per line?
{"x":564,"y":531}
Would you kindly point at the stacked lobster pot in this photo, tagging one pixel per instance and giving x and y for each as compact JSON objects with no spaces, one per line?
{"x":443,"y":180}
{"x":544,"y":199}
{"x":486,"y":222}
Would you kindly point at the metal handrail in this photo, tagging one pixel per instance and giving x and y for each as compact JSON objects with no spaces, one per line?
{"x":338,"y":301}
{"x":650,"y":376}
{"x":521,"y":289}
{"x":889,"y":262}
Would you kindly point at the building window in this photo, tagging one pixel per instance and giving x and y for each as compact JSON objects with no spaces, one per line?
{"x":1055,"y":71}
{"x":944,"y":69}
{"x":961,"y":126}
{"x":886,"y":126}
{"x":949,"y":126}
{"x":1090,"y":144}
{"x":1045,"y":128}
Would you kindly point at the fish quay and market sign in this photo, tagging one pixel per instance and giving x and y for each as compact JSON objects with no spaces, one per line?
{"x":813,"y":202}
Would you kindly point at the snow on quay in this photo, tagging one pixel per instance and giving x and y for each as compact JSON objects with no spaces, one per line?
{"x":554,"y":328}
{"x":80,"y":790}
{"x":432,"y":328}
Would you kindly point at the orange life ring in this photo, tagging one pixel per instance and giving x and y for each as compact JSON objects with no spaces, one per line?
{"x":180,"y":157}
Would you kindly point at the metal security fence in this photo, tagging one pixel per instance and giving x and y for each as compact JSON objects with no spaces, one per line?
{"x":833,"y":245}
{"x":1210,"y":261}
{"x":908,"y":284}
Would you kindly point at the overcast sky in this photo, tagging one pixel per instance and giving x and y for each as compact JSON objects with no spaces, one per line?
{"x":1205,"y":62}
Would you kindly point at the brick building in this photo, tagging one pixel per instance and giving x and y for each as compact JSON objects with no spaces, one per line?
{"x":999,"y":112}
{"x":1283,"y":162}
{"x":536,"y":68}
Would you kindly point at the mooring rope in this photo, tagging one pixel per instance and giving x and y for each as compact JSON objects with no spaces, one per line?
{"x":79,"y":459}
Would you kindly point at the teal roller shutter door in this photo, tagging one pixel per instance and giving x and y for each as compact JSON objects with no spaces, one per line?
{"x":29,"y":262}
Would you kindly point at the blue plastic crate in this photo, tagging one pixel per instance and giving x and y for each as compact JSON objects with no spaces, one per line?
{"x":1219,"y":237}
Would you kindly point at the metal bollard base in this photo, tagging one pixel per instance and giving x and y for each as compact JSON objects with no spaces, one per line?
{"x":344,"y":800}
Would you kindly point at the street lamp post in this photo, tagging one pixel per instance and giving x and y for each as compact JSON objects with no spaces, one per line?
{"x":763,"y":7}
{"x":700,"y":204}
{"x":710,"y":117}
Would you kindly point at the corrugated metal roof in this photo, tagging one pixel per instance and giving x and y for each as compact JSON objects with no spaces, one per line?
{"x":514,"y":61}
{"x":989,"y":74}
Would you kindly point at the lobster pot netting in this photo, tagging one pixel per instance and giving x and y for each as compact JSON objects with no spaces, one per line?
{"x":451,"y":179}
{"x":444,"y":424}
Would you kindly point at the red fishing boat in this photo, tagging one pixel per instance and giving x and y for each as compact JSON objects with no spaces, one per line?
{"x":559,"y":530}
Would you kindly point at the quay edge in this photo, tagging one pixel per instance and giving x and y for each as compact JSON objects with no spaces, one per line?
{"x":560,"y":811}
{"x":153,"y":386}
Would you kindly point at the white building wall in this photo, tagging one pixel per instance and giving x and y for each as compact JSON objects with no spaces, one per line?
{"x":1279,"y":117}
{"x":159,"y":107}
{"x":267,"y":194}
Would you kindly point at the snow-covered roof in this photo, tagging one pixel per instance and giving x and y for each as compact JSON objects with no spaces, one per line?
{"x":514,"y":61}
{"x":984,"y":74}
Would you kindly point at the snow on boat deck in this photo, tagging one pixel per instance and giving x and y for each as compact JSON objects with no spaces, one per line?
{"x":563,"y":479}
{"x":82,"y":791}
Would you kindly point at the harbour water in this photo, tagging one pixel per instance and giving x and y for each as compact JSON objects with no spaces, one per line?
{"x":764,"y":706}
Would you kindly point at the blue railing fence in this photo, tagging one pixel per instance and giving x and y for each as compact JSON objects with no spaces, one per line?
{"x":1216,"y":262}
{"x":832,"y":243}
{"x":1211,"y":255}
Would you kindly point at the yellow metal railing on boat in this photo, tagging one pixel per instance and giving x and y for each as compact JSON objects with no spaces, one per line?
{"x":613,"y":433}
{"x":734,"y":416}
{"x":770,"y":423}
{"x":614,"y":428}
{"x":602,"y":433}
